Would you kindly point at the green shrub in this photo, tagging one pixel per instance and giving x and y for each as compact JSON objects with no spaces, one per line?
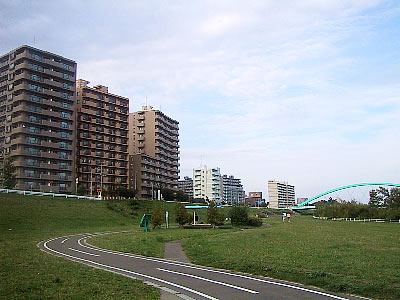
{"x":239,"y":215}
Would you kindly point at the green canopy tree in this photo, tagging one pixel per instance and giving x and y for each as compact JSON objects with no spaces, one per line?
{"x":181,"y":214}
{"x":8,"y":174}
{"x":214,"y":214}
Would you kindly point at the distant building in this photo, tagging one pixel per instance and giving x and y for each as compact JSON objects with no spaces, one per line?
{"x":102,"y":138}
{"x":37,"y":118}
{"x":301,"y":200}
{"x":281,"y":194}
{"x":254,"y":199}
{"x":207,"y":184}
{"x":154,"y":145}
{"x":186,"y":185}
{"x":232,"y":192}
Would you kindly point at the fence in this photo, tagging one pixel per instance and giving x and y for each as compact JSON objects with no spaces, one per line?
{"x":20,"y":192}
{"x":357,"y":220}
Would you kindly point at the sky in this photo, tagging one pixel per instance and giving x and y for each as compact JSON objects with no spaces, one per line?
{"x":303,"y":91}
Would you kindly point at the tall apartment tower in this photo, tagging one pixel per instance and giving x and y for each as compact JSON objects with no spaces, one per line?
{"x":207,"y":184}
{"x":281,"y":194}
{"x":102,"y":138}
{"x":153,"y":152}
{"x":37,"y":127}
{"x":186,"y":186}
{"x":232,"y":192}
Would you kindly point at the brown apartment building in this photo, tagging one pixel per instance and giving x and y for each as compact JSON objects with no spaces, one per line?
{"x":37,"y":103}
{"x":102,"y":138}
{"x":153,"y":152}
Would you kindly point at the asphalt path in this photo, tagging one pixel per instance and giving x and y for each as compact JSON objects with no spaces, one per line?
{"x":185,"y":280}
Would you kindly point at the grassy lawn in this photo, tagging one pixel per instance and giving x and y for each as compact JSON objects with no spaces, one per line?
{"x":347,"y":257}
{"x":28,"y":273}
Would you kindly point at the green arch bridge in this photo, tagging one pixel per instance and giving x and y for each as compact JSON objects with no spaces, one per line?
{"x":304,"y":205}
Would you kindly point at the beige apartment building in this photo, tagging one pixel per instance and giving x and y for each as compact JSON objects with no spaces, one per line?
{"x":154,"y":152}
{"x":102,"y":138}
{"x":281,"y":194}
{"x":37,"y":104}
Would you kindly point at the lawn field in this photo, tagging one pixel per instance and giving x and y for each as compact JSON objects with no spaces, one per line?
{"x":28,"y":273}
{"x":346,"y":257}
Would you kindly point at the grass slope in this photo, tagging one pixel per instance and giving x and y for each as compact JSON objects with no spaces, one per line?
{"x":28,"y":273}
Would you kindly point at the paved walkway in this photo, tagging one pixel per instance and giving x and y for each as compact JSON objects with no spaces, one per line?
{"x":173,"y":250}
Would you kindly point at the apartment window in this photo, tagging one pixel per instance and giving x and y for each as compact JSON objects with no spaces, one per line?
{"x":84,"y":177}
{"x":37,"y":56}
{"x":11,"y":76}
{"x":100,"y":97}
{"x":99,"y":136}
{"x":85,"y":134}
{"x":85,"y":125}
{"x":10,"y":86}
{"x":99,"y":120}
{"x":63,"y":145}
{"x":31,"y":173}
{"x":112,"y":100}
{"x":65,"y":105}
{"x":32,"y":129}
{"x":65,"y":115}
{"x":85,"y":117}
{"x":62,"y":175}
{"x":111,"y":107}
{"x":36,"y":77}
{"x":85,"y":143}
{"x":99,"y":113}
{"x":99,"y":153}
{"x":65,"y":95}
{"x":99,"y":145}
{"x":64,"y":124}
{"x":63,"y":186}
{"x":35,"y":98}
{"x":85,"y":168}
{"x":66,"y":67}
{"x":63,"y":165}
{"x":12,"y":55}
{"x":66,"y":85}
{"x":37,"y":67}
{"x":34,"y":108}
{"x":84,"y":151}
{"x":122,"y":156}
{"x":11,"y":66}
{"x":111,"y":123}
{"x":10,"y":96}
{"x":33,"y":151}
{"x":64,"y":135}
{"x":33,"y":119}
{"x":111,"y":147}
{"x":111,"y":131}
{"x":67,"y":76}
{"x":32,"y":140}
{"x":111,"y":155}
{"x":35,"y":87}
{"x":99,"y":128}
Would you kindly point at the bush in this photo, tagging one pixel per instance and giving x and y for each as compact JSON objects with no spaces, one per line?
{"x":239,"y":215}
{"x":181,"y":214}
{"x":254,"y":221}
{"x":158,"y":214}
{"x":214,"y":214}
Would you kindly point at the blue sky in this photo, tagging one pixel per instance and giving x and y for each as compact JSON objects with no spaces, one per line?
{"x":303,"y":91}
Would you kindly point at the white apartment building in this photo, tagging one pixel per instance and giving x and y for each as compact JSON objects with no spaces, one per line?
{"x":281,"y":194}
{"x":207,"y":184}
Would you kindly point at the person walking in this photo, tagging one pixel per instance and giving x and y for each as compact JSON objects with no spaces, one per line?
{"x":283,"y":217}
{"x":288,"y":217}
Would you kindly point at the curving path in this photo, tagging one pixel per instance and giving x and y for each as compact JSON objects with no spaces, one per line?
{"x":185,"y":280}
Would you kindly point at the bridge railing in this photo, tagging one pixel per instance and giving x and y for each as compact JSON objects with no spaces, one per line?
{"x":22,"y":192}
{"x":358,"y":220}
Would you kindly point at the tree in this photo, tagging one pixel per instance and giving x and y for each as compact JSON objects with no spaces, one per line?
{"x":8,"y":174}
{"x":168,"y":194}
{"x":181,"y":214}
{"x":181,"y":196}
{"x":81,"y":189}
{"x":239,"y":215}
{"x":214,"y":214}
{"x":158,"y":214}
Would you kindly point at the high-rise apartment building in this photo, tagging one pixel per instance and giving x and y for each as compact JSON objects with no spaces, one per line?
{"x":207,"y":184}
{"x":102,"y":138}
{"x":154,"y":151}
{"x":37,"y":106}
{"x":232,"y":192}
{"x":281,"y":194}
{"x":254,"y":199}
{"x":186,"y":186}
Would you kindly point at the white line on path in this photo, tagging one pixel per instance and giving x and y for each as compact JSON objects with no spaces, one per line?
{"x":213,"y":271}
{"x":209,"y":280}
{"x":83,"y":252}
{"x":129,"y":272}
{"x":63,"y":241}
